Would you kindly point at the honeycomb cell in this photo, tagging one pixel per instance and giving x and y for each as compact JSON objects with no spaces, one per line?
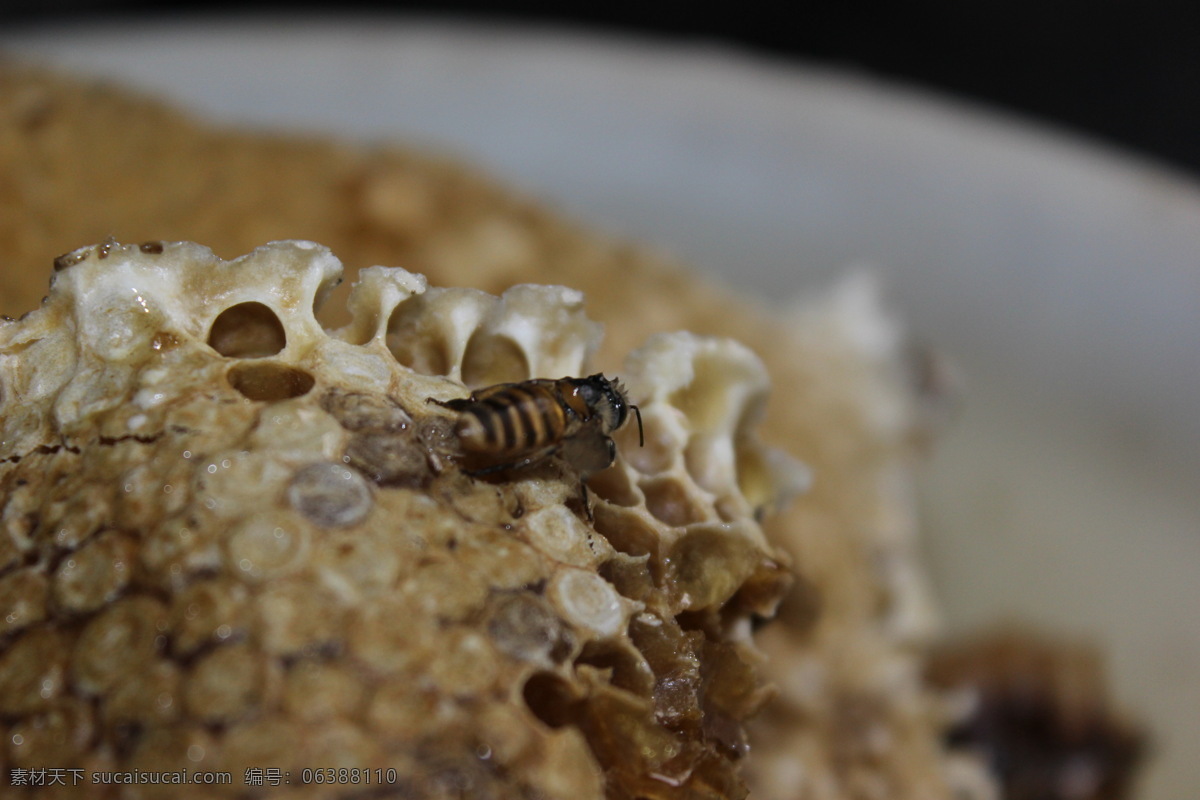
{"x":438,"y":590}
{"x":142,"y":492}
{"x":634,"y":578}
{"x":622,"y":664}
{"x":709,"y":563}
{"x":330,"y":495}
{"x":117,"y":642}
{"x":561,"y":535}
{"x":269,"y":382}
{"x":374,"y":298}
{"x":209,"y":610}
{"x":10,"y":551}
{"x":79,"y":515}
{"x":547,"y":326}
{"x":357,"y":564}
{"x":635,"y":750}
{"x":96,"y":573}
{"x":293,"y":616}
{"x":182,"y":745}
{"x":264,"y":743}
{"x":564,"y":766}
{"x":501,"y":561}
{"x":247,"y":330}
{"x":359,"y":411}
{"x":628,"y":531}
{"x":725,"y":388}
{"x":524,"y":627}
{"x":551,"y":699}
{"x":464,"y":663}
{"x":295,"y":433}
{"x":663,"y":430}
{"x":507,"y":735}
{"x":316,"y":690}
{"x":401,"y":710}
{"x":390,"y":459}
{"x":60,"y":735}
{"x":418,"y":337}
{"x":616,"y":486}
{"x":148,"y":696}
{"x":588,"y":602}
{"x":226,"y":684}
{"x":491,"y":359}
{"x":23,"y":598}
{"x":343,"y":746}
{"x":669,"y":500}
{"x":266,"y":546}
{"x":32,"y":671}
{"x":176,"y":550}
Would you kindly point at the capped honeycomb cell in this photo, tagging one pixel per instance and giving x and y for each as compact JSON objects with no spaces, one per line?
{"x":117,"y":641}
{"x":60,"y":735}
{"x":316,"y":690}
{"x":226,"y":684}
{"x":33,"y":671}
{"x":23,"y":598}
{"x":330,"y":495}
{"x":95,"y":573}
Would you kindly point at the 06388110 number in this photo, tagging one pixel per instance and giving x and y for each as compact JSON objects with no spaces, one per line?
{"x":345,"y":776}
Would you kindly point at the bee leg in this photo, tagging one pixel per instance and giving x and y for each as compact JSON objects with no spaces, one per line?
{"x":476,"y":473}
{"x":456,"y":404}
{"x":540,"y":455}
{"x":587,"y":507}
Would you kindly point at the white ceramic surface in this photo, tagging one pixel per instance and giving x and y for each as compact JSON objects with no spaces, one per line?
{"x":1064,"y":278}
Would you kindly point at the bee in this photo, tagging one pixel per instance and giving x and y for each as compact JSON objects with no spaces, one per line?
{"x":516,"y":425}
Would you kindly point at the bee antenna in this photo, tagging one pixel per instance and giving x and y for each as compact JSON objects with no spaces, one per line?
{"x":620,"y":390}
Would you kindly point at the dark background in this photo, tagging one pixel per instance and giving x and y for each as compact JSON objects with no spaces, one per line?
{"x":1122,"y":72}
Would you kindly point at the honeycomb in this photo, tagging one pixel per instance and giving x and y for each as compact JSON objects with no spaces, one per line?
{"x":853,"y":717}
{"x":235,"y":540}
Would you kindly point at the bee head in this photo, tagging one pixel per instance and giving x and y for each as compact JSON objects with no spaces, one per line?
{"x":608,"y":400}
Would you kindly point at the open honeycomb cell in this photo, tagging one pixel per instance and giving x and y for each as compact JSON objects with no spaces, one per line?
{"x":236,"y":540}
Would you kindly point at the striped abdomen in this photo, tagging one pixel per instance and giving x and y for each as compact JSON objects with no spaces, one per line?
{"x":512,"y":420}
